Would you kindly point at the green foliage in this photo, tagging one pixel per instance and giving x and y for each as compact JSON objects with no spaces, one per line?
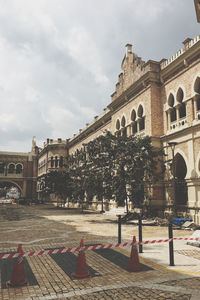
{"x":109,"y":167}
{"x":60,"y":183}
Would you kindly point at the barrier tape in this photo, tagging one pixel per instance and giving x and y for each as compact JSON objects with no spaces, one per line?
{"x":86,"y":248}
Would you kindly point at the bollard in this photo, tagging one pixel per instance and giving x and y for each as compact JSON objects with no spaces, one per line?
{"x":140,"y":233}
{"x":171,"y":246}
{"x":119,"y":228}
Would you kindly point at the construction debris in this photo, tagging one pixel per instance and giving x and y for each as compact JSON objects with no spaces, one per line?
{"x":190,"y":226}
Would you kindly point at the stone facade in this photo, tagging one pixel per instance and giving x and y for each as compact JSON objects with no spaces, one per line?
{"x":159,"y":99}
{"x":51,"y":158}
{"x":162,"y":100}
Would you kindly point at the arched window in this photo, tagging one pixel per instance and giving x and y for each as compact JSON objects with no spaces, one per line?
{"x":118,"y":124}
{"x":61,"y":162}
{"x":11,"y":168}
{"x":52,"y":162}
{"x":171,"y":102}
{"x":56,"y":162}
{"x":197,"y":90}
{"x":18,"y":169}
{"x":182,"y":107}
{"x":197,"y":85}
{"x":123,"y":124}
{"x":134,"y":123}
{"x":181,"y":190}
{"x":142,"y":118}
{"x":180,"y":166}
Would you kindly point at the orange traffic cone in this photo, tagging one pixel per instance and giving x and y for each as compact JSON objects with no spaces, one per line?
{"x":17,"y":278}
{"x":134,"y":264}
{"x":81,"y":267}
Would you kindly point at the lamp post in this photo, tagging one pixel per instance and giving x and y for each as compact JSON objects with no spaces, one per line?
{"x":172,"y":145}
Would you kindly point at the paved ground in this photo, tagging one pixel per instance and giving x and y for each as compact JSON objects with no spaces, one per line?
{"x":44,"y":227}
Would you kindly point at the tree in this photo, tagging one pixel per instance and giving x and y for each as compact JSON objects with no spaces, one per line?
{"x":119,"y":167}
{"x":100,"y":154}
{"x":78,"y":172}
{"x":60,"y":183}
{"x":127,"y":165}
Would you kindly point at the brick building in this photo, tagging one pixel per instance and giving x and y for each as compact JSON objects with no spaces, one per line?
{"x":52,"y":157}
{"x":162,"y":100}
{"x":159,"y":99}
{"x":19,"y":169}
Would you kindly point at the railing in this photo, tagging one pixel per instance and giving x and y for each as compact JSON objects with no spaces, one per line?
{"x":178,"y":124}
{"x":165,"y":63}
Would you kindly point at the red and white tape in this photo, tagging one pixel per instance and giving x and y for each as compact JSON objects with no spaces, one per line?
{"x":95,"y":247}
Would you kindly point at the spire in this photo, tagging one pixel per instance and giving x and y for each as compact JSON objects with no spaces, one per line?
{"x":128,"y":49}
{"x":33,"y":144}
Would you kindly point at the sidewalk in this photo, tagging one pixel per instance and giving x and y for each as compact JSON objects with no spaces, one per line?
{"x":49,"y":276}
{"x":115,"y":282}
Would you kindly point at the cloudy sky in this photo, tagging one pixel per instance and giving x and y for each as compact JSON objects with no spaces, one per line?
{"x":60,"y":59}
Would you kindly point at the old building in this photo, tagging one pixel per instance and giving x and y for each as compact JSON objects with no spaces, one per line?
{"x":162,"y":100}
{"x":19,"y":170}
{"x":51,"y":158}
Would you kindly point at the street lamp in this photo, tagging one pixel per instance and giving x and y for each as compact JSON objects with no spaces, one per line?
{"x":172,"y":145}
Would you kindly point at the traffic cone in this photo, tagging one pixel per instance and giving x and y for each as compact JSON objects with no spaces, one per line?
{"x":134,"y":264}
{"x":17,"y":278}
{"x":81,"y":267}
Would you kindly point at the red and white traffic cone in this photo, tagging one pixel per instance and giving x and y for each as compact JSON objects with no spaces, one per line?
{"x":18,"y":277}
{"x":81,"y":266}
{"x":134,"y":264}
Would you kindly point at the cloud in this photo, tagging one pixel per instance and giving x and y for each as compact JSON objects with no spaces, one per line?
{"x":60,"y":60}
{"x":82,"y":48}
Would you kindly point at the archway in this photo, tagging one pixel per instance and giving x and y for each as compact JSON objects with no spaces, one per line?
{"x":181,"y":190}
{"x":9,"y":190}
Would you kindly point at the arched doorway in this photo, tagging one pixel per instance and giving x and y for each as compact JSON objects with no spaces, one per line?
{"x":181,"y":190}
{"x":9,"y":190}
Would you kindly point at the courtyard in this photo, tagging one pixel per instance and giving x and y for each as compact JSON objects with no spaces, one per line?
{"x":40,"y":227}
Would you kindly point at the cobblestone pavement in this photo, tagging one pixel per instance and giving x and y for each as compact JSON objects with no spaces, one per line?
{"x":187,"y":283}
{"x":46,"y":228}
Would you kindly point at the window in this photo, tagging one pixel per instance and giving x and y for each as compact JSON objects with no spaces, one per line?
{"x":182,"y":107}
{"x":123,"y":122}
{"x":61,"y":162}
{"x":134,"y":123}
{"x":118,"y":125}
{"x":142,"y":124}
{"x":173,"y":116}
{"x":141,"y":118}
{"x":52,"y":162}
{"x":134,"y":127}
{"x":11,"y":168}
{"x":197,"y":90}
{"x":18,"y":169}
{"x":56,"y":162}
{"x":197,"y":85}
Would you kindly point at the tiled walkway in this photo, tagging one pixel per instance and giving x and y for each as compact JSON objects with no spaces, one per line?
{"x":110,"y":280}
